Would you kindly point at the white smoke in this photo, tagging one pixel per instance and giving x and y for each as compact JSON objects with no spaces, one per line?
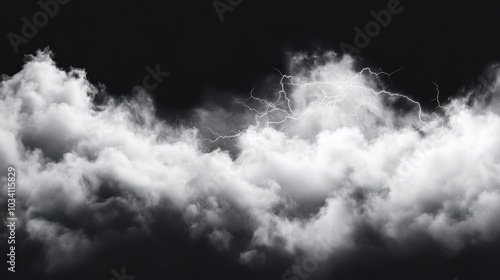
{"x":331,"y":152}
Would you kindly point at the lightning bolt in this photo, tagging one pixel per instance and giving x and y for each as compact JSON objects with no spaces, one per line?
{"x":437,"y":96}
{"x":282,"y":105}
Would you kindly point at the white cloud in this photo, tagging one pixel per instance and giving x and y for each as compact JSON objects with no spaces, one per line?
{"x":337,"y":155}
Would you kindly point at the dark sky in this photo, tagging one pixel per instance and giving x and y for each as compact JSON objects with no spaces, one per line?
{"x":208,"y":60}
{"x":449,"y":43}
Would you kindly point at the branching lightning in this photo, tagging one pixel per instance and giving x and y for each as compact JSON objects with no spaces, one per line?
{"x":283,"y":104}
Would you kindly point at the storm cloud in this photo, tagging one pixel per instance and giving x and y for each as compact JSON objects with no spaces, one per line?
{"x":330,"y":155}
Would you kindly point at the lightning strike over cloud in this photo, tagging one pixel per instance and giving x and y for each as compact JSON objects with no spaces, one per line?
{"x":334,"y":152}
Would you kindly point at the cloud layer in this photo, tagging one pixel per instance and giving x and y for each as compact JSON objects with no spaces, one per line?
{"x":329,"y":154}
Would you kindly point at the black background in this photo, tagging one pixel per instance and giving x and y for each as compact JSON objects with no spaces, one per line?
{"x":447,"y":42}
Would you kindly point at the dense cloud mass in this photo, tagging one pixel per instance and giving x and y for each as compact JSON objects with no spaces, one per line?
{"x":328,"y":155}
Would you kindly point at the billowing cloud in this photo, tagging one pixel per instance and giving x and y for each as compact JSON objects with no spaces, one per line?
{"x":327,"y":155}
